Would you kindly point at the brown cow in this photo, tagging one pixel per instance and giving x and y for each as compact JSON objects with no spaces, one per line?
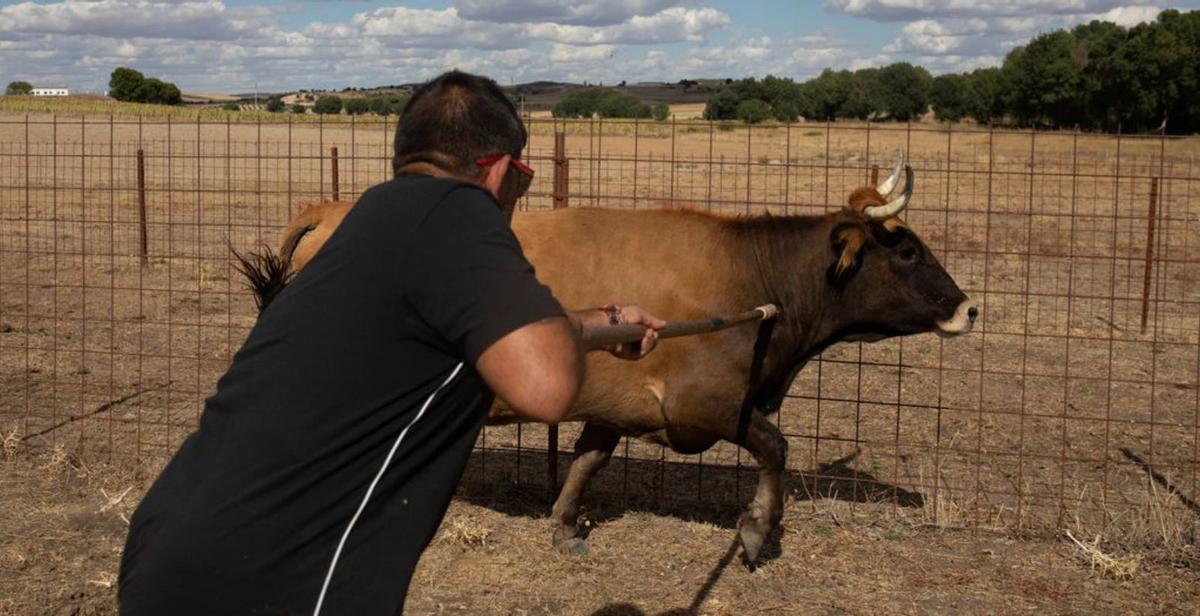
{"x":855,"y":274}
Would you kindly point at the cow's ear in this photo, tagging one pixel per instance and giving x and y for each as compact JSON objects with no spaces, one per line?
{"x":847,"y":241}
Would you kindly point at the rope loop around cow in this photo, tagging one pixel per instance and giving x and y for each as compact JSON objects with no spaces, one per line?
{"x":597,"y":337}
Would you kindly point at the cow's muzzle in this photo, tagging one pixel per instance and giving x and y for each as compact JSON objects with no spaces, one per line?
{"x":962,"y":321}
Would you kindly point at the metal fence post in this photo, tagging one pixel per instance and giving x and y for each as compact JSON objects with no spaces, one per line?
{"x":141,"y":189}
{"x":1149,"y":250}
{"x":334,"y":167}
{"x":561,"y":170}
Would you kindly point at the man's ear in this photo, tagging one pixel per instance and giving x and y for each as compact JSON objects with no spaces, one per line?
{"x":494,"y":180}
{"x":846,"y":241}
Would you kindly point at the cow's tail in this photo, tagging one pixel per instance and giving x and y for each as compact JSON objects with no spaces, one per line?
{"x":265,"y":271}
{"x":268,"y":272}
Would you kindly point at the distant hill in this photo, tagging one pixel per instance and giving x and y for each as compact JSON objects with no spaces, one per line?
{"x":533,"y":96}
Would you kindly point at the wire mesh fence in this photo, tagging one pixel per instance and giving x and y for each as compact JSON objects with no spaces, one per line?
{"x":119,"y":308}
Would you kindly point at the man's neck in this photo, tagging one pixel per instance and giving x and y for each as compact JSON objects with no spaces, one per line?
{"x":430,"y":169}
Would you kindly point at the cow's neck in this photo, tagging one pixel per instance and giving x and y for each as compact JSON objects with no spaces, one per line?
{"x":791,"y":256}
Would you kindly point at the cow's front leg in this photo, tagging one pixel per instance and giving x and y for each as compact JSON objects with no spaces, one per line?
{"x":769,"y":447}
{"x":593,"y":450}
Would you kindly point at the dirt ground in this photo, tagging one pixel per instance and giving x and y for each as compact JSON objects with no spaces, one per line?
{"x":63,"y":524}
{"x":917,"y":464}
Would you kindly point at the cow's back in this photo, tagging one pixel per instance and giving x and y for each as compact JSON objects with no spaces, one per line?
{"x":677,"y":265}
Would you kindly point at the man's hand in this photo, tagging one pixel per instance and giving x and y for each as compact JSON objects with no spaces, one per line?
{"x":623,"y":315}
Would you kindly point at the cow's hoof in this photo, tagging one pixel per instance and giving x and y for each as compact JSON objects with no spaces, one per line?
{"x":572,"y":547}
{"x":752,"y":538}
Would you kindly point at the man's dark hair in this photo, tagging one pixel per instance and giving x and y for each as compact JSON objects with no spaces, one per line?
{"x":455,"y":120}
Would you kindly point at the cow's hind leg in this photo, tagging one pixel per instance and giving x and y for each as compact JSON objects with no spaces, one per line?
{"x":593,"y":450}
{"x":768,"y":446}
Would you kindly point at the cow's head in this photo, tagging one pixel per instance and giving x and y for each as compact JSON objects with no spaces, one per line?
{"x":888,"y":282}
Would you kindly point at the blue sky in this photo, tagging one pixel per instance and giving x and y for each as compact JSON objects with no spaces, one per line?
{"x":230,"y":45}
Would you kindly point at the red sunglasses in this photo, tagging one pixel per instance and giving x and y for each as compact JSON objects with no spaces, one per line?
{"x":526,"y":172}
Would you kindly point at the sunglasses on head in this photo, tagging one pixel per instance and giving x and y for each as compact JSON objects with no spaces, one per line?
{"x":524,"y":172}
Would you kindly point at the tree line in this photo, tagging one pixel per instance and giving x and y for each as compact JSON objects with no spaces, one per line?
{"x":606,"y":103}
{"x":1097,"y":75}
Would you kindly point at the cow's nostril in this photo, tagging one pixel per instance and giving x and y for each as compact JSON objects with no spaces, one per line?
{"x":972,"y":312}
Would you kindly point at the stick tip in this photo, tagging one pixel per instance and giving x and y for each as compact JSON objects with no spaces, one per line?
{"x":769,"y":311}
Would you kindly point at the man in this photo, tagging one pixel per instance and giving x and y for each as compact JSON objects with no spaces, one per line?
{"x":330,"y":451}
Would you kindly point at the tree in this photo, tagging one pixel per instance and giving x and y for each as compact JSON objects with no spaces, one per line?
{"x":660,"y":112}
{"x":620,"y":105}
{"x":753,"y":111}
{"x":328,"y":105}
{"x":356,"y":106}
{"x":298,"y":108}
{"x":988,"y":101}
{"x":1043,"y":79}
{"x":1182,"y":108}
{"x":951,"y":97}
{"x":275,"y":104}
{"x":902,"y":91}
{"x":786,"y":110}
{"x":157,"y":91}
{"x":722,"y":106}
{"x":580,"y":103}
{"x":19,"y":88}
{"x":827,"y":94}
{"x":1105,"y":77}
{"x":863,"y":98}
{"x":231,"y":106}
{"x":125,"y":83}
{"x":784,"y":96}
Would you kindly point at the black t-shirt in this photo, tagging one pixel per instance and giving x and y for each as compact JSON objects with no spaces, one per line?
{"x":345,"y":420}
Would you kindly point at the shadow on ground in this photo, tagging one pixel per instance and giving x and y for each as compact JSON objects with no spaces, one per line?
{"x":516,"y":483}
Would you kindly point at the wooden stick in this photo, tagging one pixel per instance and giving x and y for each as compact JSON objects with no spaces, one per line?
{"x":608,"y":335}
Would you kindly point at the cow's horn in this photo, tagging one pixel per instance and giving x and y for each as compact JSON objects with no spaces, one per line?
{"x":886,"y":187}
{"x":897,"y":205}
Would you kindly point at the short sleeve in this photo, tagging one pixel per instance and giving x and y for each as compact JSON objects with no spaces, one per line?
{"x":466,"y":277}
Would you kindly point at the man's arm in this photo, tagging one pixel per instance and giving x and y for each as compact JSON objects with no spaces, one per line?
{"x":537,"y":369}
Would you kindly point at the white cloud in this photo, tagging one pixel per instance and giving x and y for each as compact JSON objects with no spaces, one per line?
{"x":590,"y":53}
{"x":669,"y":26}
{"x":192,"y":20}
{"x":933,"y":36}
{"x":965,"y":43}
{"x":1130,"y":16}
{"x":904,"y":10}
{"x":574,"y":12}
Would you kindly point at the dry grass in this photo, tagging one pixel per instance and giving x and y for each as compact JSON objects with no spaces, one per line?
{"x":944,"y":510}
{"x":1118,"y":568}
{"x":103,"y":107}
{"x":465,"y":530}
{"x":1162,"y":530}
{"x":12,"y":443}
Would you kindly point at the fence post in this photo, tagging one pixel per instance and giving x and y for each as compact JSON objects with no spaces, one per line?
{"x":875,"y":176}
{"x":141,"y":189}
{"x":1149,"y":250}
{"x":333,"y":154}
{"x":561,"y":188}
{"x":561,"y":170}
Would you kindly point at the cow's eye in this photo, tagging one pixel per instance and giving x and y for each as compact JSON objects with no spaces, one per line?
{"x":908,"y":253}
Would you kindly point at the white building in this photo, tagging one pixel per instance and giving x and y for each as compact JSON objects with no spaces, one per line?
{"x":50,"y":91}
